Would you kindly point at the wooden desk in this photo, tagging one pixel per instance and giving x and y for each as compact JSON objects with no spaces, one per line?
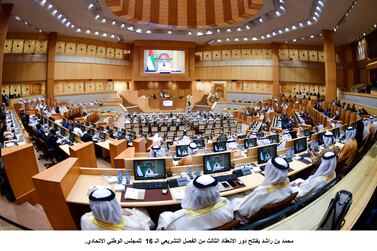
{"x":79,"y":195}
{"x":116,"y":147}
{"x":105,"y":148}
{"x":65,"y":148}
{"x":139,"y":144}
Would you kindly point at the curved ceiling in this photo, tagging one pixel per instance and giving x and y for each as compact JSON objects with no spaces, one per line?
{"x":276,"y":21}
{"x":185,"y":13}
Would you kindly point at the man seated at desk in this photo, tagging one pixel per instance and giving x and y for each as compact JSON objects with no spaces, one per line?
{"x":157,"y":150}
{"x":284,"y":138}
{"x":86,"y":137}
{"x":202,"y":208}
{"x":192,"y":150}
{"x":349,"y":151}
{"x":329,"y":146}
{"x":107,"y":214}
{"x":39,"y":133}
{"x":324,"y":174}
{"x":275,"y":188}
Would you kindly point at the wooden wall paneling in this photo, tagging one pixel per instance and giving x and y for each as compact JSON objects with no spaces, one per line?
{"x":24,"y":71}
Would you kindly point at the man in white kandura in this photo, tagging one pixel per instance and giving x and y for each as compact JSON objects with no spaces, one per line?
{"x":231,"y":144}
{"x":284,"y":138}
{"x":202,"y":208}
{"x":156,"y":150}
{"x":324,"y":174}
{"x":107,"y":214}
{"x":274,"y":188}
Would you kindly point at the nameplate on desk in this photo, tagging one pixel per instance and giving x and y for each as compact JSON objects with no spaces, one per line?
{"x":149,"y":196}
{"x":134,"y":194}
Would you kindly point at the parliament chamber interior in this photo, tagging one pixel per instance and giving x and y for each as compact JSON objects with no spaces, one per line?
{"x":188,"y":115}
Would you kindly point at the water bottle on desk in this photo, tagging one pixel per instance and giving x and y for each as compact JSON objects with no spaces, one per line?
{"x":119,"y":177}
{"x":197,"y":171}
{"x":128,"y":177}
{"x":189,"y":173}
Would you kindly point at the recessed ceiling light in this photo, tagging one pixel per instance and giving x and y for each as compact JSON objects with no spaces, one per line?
{"x":294,"y":27}
{"x":320,"y":3}
{"x":218,"y":30}
{"x":113,"y":23}
{"x":112,"y":36}
{"x":189,"y":33}
{"x":148,"y":31}
{"x":78,"y":30}
{"x":228,"y":30}
{"x":294,"y":40}
{"x":209,"y":33}
{"x":286,"y":29}
{"x":54,"y":12}
{"x":104,"y":34}
{"x":122,"y":26}
{"x":227,"y":39}
{"x":277,"y":13}
{"x":311,"y":36}
{"x":308,"y":22}
{"x":199,"y":33}
{"x":17,"y":18}
{"x":239,"y":29}
{"x":280,"y":31}
{"x":90,"y":6}
{"x":96,"y":17}
{"x":301,"y":24}
{"x":138,"y":30}
{"x":103,"y":20}
{"x":245,"y":39}
{"x":219,"y":40}
{"x":87,"y":31}
{"x":43,"y":2}
{"x":273,"y":33}
{"x":260,"y":20}
{"x":96,"y":33}
{"x":254,"y":39}
{"x":236,"y":39}
{"x":247,"y":27}
{"x":49,"y":6}
{"x":169,"y":32}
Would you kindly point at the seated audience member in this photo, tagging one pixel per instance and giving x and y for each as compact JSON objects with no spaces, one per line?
{"x":275,"y":188}
{"x":336,"y":116}
{"x":231,"y":144}
{"x":156,"y":150}
{"x":284,"y":138}
{"x":329,"y":146}
{"x":77,"y":130}
{"x":359,"y":133}
{"x":324,"y":174}
{"x":51,"y":140}
{"x":349,"y":151}
{"x":202,"y":208}
{"x":39,"y":133}
{"x":107,"y":214}
{"x":187,"y":160}
{"x":86,"y":137}
{"x":366,"y":131}
{"x":185,"y":140}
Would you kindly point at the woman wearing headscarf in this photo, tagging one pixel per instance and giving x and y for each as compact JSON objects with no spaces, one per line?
{"x":156,"y":150}
{"x":349,"y":151}
{"x":107,"y":214}
{"x":275,"y":188}
{"x":324,"y":174}
{"x":202,"y":208}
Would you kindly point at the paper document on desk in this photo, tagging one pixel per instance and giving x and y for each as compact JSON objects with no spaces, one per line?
{"x":177,"y":194}
{"x":134,"y":194}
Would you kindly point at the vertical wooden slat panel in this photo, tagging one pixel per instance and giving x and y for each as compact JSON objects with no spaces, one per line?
{"x":126,"y":5}
{"x":191,"y":13}
{"x":139,"y":9}
{"x":200,"y":13}
{"x":182,"y":12}
{"x":155,"y":11}
{"x":173,"y":12}
{"x":227,"y":7}
{"x":164,"y":12}
{"x":147,"y":10}
{"x":219,"y":12}
{"x":210,"y":12}
{"x":241,"y":7}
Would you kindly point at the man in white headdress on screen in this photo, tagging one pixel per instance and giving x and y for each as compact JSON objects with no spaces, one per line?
{"x":202,"y":208}
{"x":107,"y":214}
{"x":157,"y":150}
{"x":275,"y":188}
{"x":324,"y":174}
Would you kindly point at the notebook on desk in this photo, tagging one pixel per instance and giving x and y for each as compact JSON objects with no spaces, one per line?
{"x":150,"y":195}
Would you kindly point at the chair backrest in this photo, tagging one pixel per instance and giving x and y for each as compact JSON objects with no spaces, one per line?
{"x":228,"y":226}
{"x":272,"y":208}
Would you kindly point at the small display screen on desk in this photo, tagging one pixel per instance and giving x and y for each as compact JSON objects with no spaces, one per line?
{"x":149,"y":169}
{"x":216,"y":163}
